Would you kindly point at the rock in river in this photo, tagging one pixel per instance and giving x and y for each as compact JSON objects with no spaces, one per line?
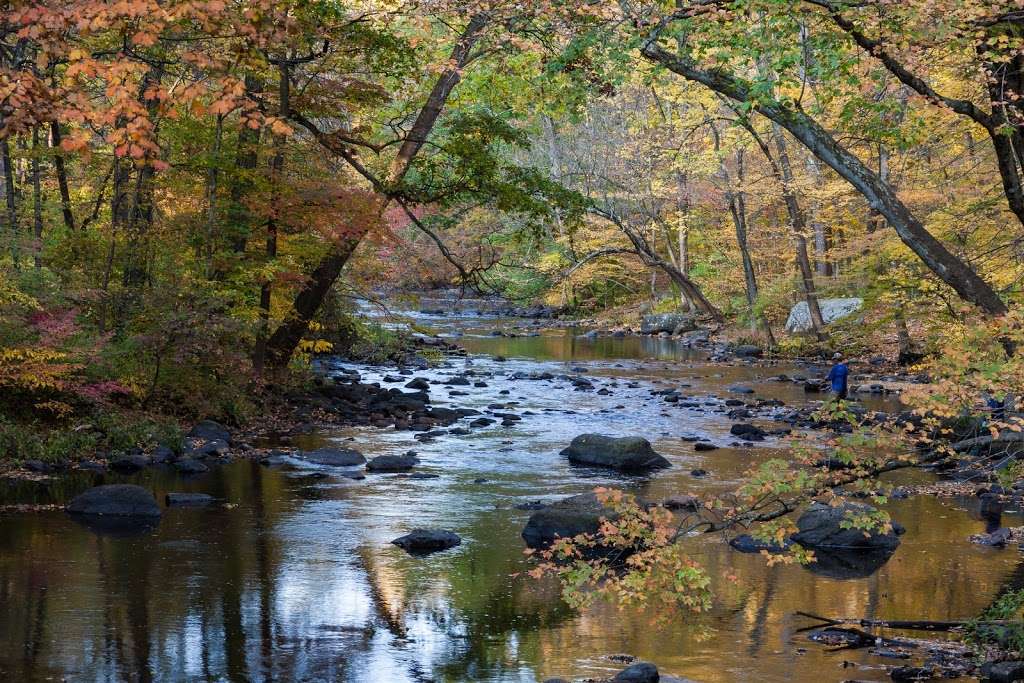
{"x":392,"y":463}
{"x":1004,"y":672}
{"x":190,"y":466}
{"x":627,"y":453}
{"x":566,"y":518}
{"x":189,"y":499}
{"x":129,"y":464}
{"x":821,"y":526}
{"x":120,"y":500}
{"x":642,"y":672}
{"x":336,"y":457}
{"x":745,"y":543}
{"x":424,"y":541}
{"x":667,"y":322}
{"x":748,"y":432}
{"x":208,"y":430}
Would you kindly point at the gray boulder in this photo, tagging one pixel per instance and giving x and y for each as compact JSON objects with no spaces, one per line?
{"x":821,"y":526}
{"x":129,"y":464}
{"x":627,"y":453}
{"x":748,"y":351}
{"x":564,"y":519}
{"x":1004,"y":672}
{"x":424,"y":541}
{"x":676,"y":323}
{"x":745,"y":543}
{"x":213,"y":447}
{"x":419,"y":384}
{"x":191,"y":466}
{"x":392,"y":463}
{"x":831,"y":310}
{"x":208,"y":430}
{"x":116,"y":500}
{"x":336,"y":457}
{"x":642,"y":672}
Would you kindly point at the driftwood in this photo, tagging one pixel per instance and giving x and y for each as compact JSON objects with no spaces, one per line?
{"x":1003,"y":437}
{"x":846,"y":638}
{"x":910,"y":625}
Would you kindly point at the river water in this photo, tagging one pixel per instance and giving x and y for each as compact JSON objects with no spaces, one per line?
{"x":297,"y":579}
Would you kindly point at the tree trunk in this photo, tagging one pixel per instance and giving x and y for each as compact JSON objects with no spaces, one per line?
{"x":738,"y":210}
{"x":682,"y":280}
{"x":62,"y":177}
{"x":945,"y":265}
{"x":822,"y":236}
{"x":140,"y":220}
{"x":1006,"y":126}
{"x":37,"y":204}
{"x":289,"y":333}
{"x":211,"y":196}
{"x":246,"y":157}
{"x":427,"y":117}
{"x":736,"y":198}
{"x":276,"y":169}
{"x":1003,"y":74}
{"x":137,"y":214}
{"x":683,"y":235}
{"x":798,"y":222}
{"x":10,"y":201}
{"x":876,"y":221}
{"x":282,"y":343}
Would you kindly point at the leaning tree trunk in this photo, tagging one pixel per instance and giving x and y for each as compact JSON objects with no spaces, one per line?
{"x":946,"y":266}
{"x":307,"y":302}
{"x":289,"y":333}
{"x":650,"y":257}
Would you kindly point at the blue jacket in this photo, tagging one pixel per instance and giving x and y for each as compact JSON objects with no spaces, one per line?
{"x":838,"y":376}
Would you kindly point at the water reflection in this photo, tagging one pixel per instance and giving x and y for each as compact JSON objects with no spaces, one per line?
{"x":299,"y":581}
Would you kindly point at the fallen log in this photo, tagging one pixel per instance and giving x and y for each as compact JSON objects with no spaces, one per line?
{"x":909,"y":625}
{"x":1003,"y":437}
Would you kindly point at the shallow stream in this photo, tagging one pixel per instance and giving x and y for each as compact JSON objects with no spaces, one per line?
{"x":297,"y":580}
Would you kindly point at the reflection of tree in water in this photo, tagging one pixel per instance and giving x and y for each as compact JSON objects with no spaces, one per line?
{"x":208,"y":595}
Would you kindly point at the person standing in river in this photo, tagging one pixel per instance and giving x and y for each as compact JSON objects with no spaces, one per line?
{"x":839,"y":376}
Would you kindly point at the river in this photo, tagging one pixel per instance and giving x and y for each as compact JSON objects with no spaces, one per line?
{"x":297,"y":580}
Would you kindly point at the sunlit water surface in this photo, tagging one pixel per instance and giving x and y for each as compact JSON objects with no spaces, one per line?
{"x":298,"y":581}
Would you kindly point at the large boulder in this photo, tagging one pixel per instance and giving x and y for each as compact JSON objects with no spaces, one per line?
{"x":335,"y":457}
{"x":641,"y":672}
{"x":564,"y":519}
{"x":822,"y":527}
{"x":675,"y":323}
{"x":1004,"y":672}
{"x":208,"y":430}
{"x":745,"y":543}
{"x":191,"y":466}
{"x":831,"y":310}
{"x":627,"y":453}
{"x":425,"y":541}
{"x":393,"y":463}
{"x":116,"y":500}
